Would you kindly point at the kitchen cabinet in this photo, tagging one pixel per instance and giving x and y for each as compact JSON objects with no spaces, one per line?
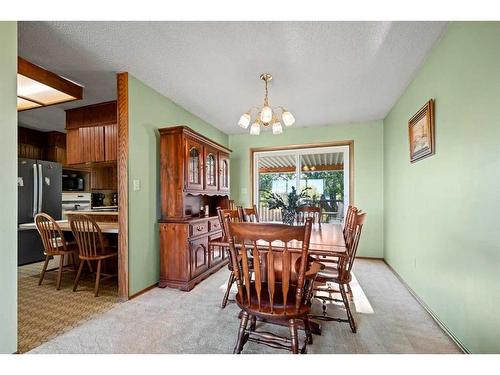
{"x":34,"y":144}
{"x":91,"y":139}
{"x":73,"y":149}
{"x":111,"y":142}
{"x":92,"y":134}
{"x":105,"y":177}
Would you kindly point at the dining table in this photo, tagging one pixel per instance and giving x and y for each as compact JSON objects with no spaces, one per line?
{"x":327,"y":240}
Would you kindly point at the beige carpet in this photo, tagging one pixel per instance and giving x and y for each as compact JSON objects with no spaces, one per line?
{"x":44,"y":312}
{"x":170,"y":321}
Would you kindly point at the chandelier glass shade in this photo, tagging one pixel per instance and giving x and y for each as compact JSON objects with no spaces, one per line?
{"x":266,"y":116}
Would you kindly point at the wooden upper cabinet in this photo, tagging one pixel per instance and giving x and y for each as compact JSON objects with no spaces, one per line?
{"x":211,"y":168}
{"x":111,"y":142}
{"x":92,"y":143}
{"x":105,"y":177}
{"x":194,"y":158}
{"x":91,"y":115}
{"x":73,"y":149}
{"x":223,"y":171}
{"x":92,"y":133}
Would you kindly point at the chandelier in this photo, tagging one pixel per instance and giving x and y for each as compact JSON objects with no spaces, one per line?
{"x":266,"y":115}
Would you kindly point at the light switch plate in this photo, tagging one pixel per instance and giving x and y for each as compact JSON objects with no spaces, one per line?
{"x":137,"y":185}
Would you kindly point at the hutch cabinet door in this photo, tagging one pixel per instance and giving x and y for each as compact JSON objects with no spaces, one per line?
{"x":194,"y":177}
{"x":199,"y":256}
{"x":217,"y":252}
{"x":223,"y":172}
{"x":211,"y":168}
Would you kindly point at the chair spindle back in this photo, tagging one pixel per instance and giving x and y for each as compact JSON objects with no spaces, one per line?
{"x":251,"y":214}
{"x":345,"y":264}
{"x":280,"y":269}
{"x":234,"y":216}
{"x":52,"y":236}
{"x":350,"y":224}
{"x":87,"y":234}
{"x":309,"y":211}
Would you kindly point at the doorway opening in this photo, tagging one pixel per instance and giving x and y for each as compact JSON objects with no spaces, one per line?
{"x":72,"y":159}
{"x":320,"y":173}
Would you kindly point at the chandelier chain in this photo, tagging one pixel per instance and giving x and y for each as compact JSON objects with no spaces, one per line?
{"x":266,"y":101}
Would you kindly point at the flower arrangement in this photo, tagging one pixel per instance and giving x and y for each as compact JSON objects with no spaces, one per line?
{"x":289,"y":205}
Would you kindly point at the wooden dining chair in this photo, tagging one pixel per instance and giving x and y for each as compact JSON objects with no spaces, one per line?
{"x":347,"y":225}
{"x":232,"y":205}
{"x":234,"y":216}
{"x":54,"y":244}
{"x":309,"y":211}
{"x":279,"y":290}
{"x":348,"y":231}
{"x":251,"y":214}
{"x":341,"y":275}
{"x":91,"y":246}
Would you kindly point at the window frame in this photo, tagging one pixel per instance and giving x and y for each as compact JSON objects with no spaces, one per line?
{"x":347,"y":147}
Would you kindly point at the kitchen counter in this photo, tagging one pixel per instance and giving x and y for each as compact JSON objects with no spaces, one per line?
{"x":106,"y":227}
{"x":99,"y":215}
{"x":91,"y":212}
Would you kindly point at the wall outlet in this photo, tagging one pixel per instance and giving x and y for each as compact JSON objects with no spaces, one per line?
{"x":137,"y":185}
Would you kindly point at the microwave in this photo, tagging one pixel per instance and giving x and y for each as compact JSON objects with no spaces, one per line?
{"x":72,"y":183}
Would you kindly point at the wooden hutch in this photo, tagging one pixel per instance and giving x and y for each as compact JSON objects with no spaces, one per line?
{"x":194,"y":173}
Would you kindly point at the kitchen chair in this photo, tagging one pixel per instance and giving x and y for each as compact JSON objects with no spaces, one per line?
{"x":279,"y":292}
{"x":251,"y":214}
{"x":54,"y":244}
{"x":91,"y":245}
{"x":341,"y":274}
{"x":309,"y":211}
{"x":235,"y":216}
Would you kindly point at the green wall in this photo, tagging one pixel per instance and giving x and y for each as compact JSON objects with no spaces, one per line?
{"x":149,"y":111}
{"x":368,"y":169}
{"x":442,"y":228}
{"x":8,"y":188}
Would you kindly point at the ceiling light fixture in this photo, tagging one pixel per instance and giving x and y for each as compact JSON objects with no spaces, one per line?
{"x":266,"y":115}
{"x":37,"y":87}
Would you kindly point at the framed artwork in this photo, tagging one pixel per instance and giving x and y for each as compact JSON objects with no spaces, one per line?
{"x":421,"y":132}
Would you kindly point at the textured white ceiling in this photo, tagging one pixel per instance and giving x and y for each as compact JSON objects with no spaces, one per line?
{"x":324,"y":72}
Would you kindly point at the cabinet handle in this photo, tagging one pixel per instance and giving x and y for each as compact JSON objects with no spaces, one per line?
{"x":199,"y":228}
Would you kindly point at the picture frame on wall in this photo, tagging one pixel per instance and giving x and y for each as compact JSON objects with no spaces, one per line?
{"x":421,"y":133}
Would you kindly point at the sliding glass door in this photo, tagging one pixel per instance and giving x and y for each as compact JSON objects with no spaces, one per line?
{"x":320,"y":173}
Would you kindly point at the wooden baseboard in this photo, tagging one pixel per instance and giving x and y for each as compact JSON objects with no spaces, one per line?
{"x":428,"y":309}
{"x":143,"y":291}
{"x":186,"y":286}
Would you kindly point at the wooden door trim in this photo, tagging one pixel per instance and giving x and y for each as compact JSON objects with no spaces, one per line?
{"x":349,"y":143}
{"x":122,"y":151}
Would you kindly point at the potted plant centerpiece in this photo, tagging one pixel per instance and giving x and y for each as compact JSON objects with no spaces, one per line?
{"x":289,"y":205}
